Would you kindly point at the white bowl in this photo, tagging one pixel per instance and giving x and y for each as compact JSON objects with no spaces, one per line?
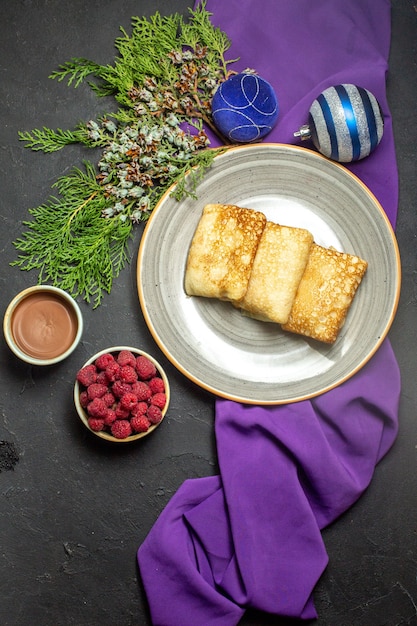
{"x":42,"y":325}
{"x":105,"y":434}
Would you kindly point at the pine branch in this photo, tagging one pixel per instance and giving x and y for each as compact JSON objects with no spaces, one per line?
{"x":48,"y":140}
{"x":199,"y":30}
{"x":70,"y":244}
{"x":165,"y":74}
{"x":76,"y":70}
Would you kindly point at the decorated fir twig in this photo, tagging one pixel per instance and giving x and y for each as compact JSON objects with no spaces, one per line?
{"x":165,"y":75}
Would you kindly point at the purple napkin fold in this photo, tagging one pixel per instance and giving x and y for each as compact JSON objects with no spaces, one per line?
{"x":251,"y":536}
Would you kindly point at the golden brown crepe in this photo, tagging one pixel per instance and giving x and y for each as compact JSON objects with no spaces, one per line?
{"x":325,"y":293}
{"x":222,"y":251}
{"x":279,"y":264}
{"x":272,"y":272}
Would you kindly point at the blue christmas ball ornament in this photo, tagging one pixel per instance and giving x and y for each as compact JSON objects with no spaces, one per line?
{"x":345,"y":123}
{"x":244,"y":108}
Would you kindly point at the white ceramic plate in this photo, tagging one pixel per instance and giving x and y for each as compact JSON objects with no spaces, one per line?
{"x":246,"y":360}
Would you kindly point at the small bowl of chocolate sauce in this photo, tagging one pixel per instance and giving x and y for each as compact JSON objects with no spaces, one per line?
{"x":43,"y":325}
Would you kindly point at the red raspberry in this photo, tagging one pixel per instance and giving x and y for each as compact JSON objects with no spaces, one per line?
{"x":119,"y":388}
{"x":139,"y":409}
{"x":156,"y":385}
{"x":87,"y":375}
{"x":145,"y":368}
{"x":141,"y":390}
{"x":112,"y":371}
{"x":95,"y":424}
{"x":84,"y":399}
{"x":159,"y":400}
{"x":128,"y":374}
{"x":128,"y":401}
{"x":121,"y":413}
{"x":103,"y":361}
{"x":121,"y":429}
{"x":102,"y":378}
{"x":140,"y":424}
{"x":96,"y":391}
{"x":154,"y":414}
{"x":97,"y":408}
{"x":110,"y":417}
{"x":109,"y":399}
{"x":126,"y":358}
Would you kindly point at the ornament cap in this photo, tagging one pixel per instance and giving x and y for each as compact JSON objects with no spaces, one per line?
{"x":304,"y":133}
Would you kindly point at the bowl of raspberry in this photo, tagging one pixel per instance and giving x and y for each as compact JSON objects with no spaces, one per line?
{"x":121,"y":394}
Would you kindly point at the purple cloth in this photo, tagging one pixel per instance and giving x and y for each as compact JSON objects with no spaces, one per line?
{"x":251,"y":536}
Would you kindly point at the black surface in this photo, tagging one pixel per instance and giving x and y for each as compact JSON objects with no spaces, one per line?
{"x":74,"y":511}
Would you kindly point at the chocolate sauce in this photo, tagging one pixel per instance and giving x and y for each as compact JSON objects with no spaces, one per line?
{"x":44,"y":325}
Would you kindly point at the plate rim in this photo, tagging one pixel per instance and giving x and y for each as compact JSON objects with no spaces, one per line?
{"x":301,"y":397}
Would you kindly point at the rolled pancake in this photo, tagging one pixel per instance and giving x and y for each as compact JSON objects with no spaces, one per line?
{"x":222,"y":252}
{"x":279,"y":264}
{"x":325,"y":293}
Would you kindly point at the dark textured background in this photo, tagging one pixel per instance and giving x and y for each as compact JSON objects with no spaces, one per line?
{"x":73,"y":510}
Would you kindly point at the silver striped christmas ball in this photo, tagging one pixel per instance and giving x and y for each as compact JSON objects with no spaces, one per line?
{"x":345,"y":123}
